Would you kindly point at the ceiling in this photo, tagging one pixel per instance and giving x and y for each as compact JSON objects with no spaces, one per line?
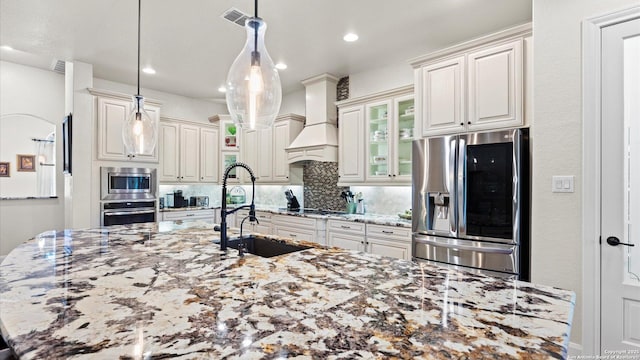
{"x":192,"y":47}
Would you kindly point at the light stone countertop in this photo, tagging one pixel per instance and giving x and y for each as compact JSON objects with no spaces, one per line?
{"x":389,"y":220}
{"x":164,"y":290}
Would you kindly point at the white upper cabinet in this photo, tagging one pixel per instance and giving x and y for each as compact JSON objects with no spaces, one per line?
{"x":188,"y":152}
{"x":351,"y":145}
{"x":374,"y":138}
{"x":475,"y":86}
{"x":112,"y":110}
{"x":265,"y":151}
{"x":209,"y":145}
{"x":495,"y":86}
{"x":443,"y":95}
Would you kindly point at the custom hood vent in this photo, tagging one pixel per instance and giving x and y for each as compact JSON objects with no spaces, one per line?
{"x":318,"y":140}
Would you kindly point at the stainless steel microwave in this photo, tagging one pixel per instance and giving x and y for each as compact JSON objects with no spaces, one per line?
{"x":119,"y":183}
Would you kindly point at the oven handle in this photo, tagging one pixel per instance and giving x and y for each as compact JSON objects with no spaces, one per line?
{"x":139,"y":212}
{"x":492,"y":250}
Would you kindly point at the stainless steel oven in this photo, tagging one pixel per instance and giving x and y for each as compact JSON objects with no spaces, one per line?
{"x":123,"y":183}
{"x":471,"y":201}
{"x":127,"y":212}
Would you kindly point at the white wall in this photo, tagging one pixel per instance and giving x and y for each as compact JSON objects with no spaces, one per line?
{"x":25,"y":89}
{"x":294,"y":103}
{"x":557,"y":142}
{"x":381,"y":79}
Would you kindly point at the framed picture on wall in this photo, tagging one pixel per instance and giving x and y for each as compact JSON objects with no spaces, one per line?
{"x":5,"y":170}
{"x":26,"y":162}
{"x":66,"y":144}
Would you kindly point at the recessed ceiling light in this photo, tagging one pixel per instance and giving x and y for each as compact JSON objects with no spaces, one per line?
{"x":222,"y":89}
{"x":6,"y":47}
{"x":350,"y":37}
{"x":148,"y":70}
{"x":281,"y":66}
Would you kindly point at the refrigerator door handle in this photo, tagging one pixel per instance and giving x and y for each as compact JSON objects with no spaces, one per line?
{"x":492,"y":250}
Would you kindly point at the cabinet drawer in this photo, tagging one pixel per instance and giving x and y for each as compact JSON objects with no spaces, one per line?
{"x":295,"y":233}
{"x":389,"y":232}
{"x":188,"y":215}
{"x":294,"y":221}
{"x":350,"y":227}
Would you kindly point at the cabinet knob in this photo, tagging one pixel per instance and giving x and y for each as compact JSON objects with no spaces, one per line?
{"x":469,"y":122}
{"x":389,"y":175}
{"x":461,"y":124}
{"x":394,"y":175}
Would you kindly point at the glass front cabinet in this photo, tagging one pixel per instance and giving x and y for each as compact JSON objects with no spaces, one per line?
{"x":390,"y":128}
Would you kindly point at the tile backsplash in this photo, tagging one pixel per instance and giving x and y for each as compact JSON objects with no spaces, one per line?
{"x":321,"y":189}
{"x":266,"y":195}
{"x":385,"y":200}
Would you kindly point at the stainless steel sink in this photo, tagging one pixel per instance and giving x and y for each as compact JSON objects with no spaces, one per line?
{"x":265,"y":247}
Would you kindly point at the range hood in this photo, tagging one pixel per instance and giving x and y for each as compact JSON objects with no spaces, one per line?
{"x":318,"y":140}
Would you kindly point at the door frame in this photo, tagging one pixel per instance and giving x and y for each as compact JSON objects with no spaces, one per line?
{"x":591,"y":169}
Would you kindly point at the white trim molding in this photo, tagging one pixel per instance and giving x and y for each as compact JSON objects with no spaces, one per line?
{"x":591,"y":168}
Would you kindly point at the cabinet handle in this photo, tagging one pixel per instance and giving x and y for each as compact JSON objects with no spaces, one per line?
{"x":190,"y":215}
{"x":387,"y":232}
{"x":345,"y":227}
{"x":292,"y":235}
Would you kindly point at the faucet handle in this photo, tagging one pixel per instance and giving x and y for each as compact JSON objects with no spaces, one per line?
{"x":252,"y":214}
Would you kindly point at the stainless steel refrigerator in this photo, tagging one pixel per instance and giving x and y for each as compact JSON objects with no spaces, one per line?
{"x":471,"y":202}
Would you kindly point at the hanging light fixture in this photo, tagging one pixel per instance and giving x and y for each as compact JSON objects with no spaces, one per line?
{"x":254,"y":93}
{"x":139,"y":131}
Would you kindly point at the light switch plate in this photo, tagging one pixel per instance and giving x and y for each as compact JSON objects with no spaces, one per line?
{"x":562,"y":184}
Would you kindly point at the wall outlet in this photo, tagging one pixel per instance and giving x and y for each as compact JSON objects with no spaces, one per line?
{"x":562,"y":184}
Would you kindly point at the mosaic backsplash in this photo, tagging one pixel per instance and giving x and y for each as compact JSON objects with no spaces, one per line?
{"x":266,"y":195}
{"x":321,"y":190}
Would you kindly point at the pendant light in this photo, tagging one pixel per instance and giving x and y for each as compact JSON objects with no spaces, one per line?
{"x":139,"y":131}
{"x":254,"y":93}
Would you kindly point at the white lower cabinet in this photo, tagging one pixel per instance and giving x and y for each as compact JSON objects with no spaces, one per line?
{"x":263,"y":227}
{"x":299,"y":228}
{"x":346,"y":234}
{"x":392,"y":241}
{"x":189,"y":215}
{"x":383,"y":240}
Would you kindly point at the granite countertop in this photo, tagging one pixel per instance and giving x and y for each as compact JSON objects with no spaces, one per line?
{"x":391,"y":220}
{"x":165,"y":290}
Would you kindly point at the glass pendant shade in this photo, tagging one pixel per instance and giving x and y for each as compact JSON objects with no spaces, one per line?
{"x":139,"y":131}
{"x":254,"y":93}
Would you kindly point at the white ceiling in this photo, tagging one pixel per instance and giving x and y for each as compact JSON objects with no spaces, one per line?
{"x":192,"y":47}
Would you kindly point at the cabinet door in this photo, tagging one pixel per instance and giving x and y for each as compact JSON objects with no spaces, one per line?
{"x":404,"y":127}
{"x":345,"y":241}
{"x":168,"y":142}
{"x":379,"y":135}
{"x":227,"y":158}
{"x":395,"y":249}
{"x":209,"y":168}
{"x":250,"y":154}
{"x":112,"y":114}
{"x":281,"y":141}
{"x":442,"y":95}
{"x":189,"y":153}
{"x":495,"y":87}
{"x":351,"y":146}
{"x":264,"y":150}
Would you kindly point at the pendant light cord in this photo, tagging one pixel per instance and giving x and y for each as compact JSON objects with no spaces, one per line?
{"x":139,"y":8}
{"x":255,"y":26}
